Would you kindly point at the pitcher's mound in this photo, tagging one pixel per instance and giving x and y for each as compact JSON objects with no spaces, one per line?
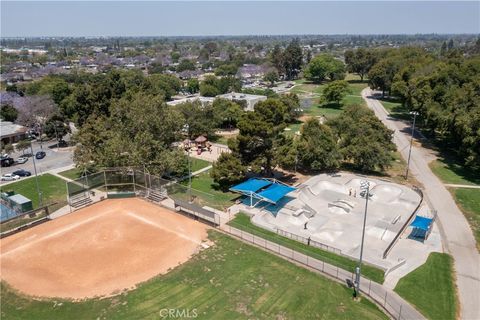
{"x":99,"y":250}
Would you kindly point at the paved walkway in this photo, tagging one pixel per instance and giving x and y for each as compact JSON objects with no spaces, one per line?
{"x":395,"y":305}
{"x":457,"y":236}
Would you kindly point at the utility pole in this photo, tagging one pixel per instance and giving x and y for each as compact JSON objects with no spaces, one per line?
{"x":415,"y":114}
{"x":364,"y":185}
{"x":40,"y":201}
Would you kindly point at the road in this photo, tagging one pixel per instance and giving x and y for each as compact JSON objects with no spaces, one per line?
{"x":54,"y":159}
{"x":457,"y":236}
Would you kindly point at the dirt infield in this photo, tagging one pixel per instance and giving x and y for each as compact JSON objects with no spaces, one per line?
{"x":99,"y":250}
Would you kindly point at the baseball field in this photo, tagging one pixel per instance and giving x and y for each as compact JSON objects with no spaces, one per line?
{"x":130,"y":259}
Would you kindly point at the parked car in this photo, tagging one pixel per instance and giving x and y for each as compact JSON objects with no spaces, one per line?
{"x":22,"y":173}
{"x":10,"y":177}
{"x":22,"y":160}
{"x":7,"y":161}
{"x":40,"y":155}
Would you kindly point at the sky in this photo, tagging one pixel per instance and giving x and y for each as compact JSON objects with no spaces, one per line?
{"x":189,"y":18}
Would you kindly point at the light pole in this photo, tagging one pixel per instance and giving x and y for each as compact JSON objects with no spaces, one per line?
{"x":415,"y":114}
{"x":40,"y":201}
{"x":187,"y":128}
{"x":364,"y":185}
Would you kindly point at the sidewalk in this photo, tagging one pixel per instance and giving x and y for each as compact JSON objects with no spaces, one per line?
{"x":457,"y":236}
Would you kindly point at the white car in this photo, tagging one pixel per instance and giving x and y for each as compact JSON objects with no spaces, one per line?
{"x":22,"y":160}
{"x":10,"y":177}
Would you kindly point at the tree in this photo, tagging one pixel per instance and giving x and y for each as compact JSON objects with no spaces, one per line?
{"x":324,"y":66}
{"x":213,"y":86}
{"x":228,"y":112}
{"x":292,"y":59}
{"x":8,"y":113}
{"x":139,"y":131}
{"x":193,"y":86}
{"x":272,"y":77}
{"x":277,"y":58}
{"x":22,"y":145}
{"x":255,"y":142}
{"x":228,"y":170}
{"x":55,"y":127}
{"x":8,"y":148}
{"x":363,"y":139}
{"x":335,"y":91}
{"x":186,"y":64}
{"x":359,"y":61}
{"x":201,"y":120}
{"x":226,"y":70}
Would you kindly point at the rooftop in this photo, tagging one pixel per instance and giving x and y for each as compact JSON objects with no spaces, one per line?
{"x":8,"y":128}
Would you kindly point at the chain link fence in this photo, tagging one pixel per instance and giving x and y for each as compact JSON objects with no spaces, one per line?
{"x":391,"y":302}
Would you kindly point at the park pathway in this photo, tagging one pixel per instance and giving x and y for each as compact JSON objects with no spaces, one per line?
{"x":456,"y":233}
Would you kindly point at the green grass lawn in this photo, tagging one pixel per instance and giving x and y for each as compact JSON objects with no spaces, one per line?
{"x":431,"y":288}
{"x":207,"y":192}
{"x":451,"y":172}
{"x":73,"y":174}
{"x":53,"y":189}
{"x":198,"y":164}
{"x":469,"y":202}
{"x":242,"y":221}
{"x":230,"y":280}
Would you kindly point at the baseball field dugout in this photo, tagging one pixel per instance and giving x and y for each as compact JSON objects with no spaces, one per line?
{"x":80,"y":191}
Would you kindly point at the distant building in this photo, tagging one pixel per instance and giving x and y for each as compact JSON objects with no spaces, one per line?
{"x":250,"y":99}
{"x":12,"y":133}
{"x":203,"y":100}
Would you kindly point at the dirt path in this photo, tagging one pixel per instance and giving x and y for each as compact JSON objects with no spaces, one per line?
{"x":457,"y":235}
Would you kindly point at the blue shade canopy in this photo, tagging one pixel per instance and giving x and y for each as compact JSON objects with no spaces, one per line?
{"x":275,"y":192}
{"x":251,"y":185}
{"x":421,"y":223}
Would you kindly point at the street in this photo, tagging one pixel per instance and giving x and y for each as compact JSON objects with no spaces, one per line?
{"x":53,"y":160}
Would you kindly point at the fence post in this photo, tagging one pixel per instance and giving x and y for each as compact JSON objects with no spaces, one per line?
{"x":323,"y":266}
{"x":337,"y":272}
{"x":369,"y":286}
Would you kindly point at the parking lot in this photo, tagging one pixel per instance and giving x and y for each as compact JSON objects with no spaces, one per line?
{"x":55,"y":158}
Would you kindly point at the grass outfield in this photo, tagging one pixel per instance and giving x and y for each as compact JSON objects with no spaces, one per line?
{"x":431,"y":288}
{"x":242,"y":221}
{"x":231,"y":280}
{"x":53,"y":189}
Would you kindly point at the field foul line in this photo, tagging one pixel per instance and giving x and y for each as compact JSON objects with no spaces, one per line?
{"x":150,"y":222}
{"x":53,"y":234}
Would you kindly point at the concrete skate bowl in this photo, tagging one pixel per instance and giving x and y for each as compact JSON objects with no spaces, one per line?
{"x":327,"y":185}
{"x":355,"y":183}
{"x":385,"y":193}
{"x":341,"y":206}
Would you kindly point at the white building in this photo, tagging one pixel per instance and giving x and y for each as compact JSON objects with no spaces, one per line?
{"x":250,"y":99}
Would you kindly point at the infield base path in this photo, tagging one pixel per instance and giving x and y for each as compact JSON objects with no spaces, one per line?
{"x":99,"y":250}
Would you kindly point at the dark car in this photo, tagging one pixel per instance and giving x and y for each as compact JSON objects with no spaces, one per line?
{"x":22,"y":173}
{"x":7,"y":161}
{"x":40,"y":155}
